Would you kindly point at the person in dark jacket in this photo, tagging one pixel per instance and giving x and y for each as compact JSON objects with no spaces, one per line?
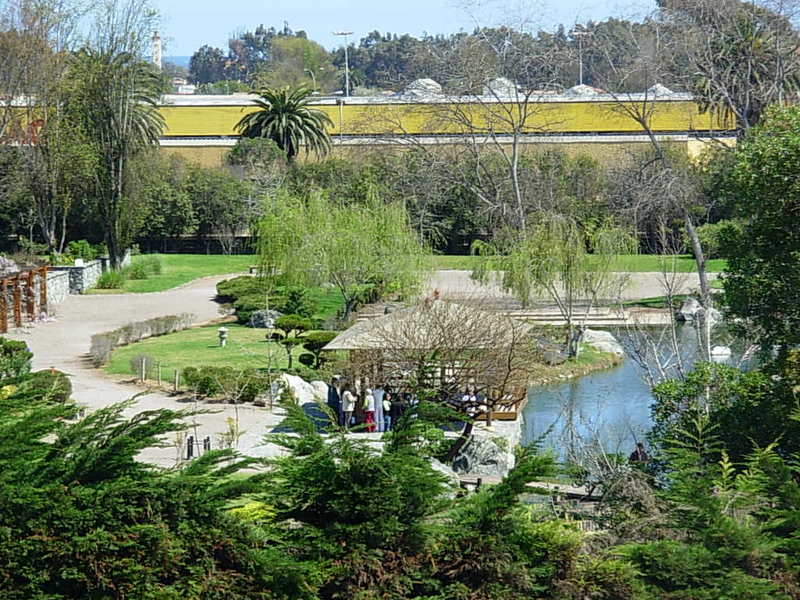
{"x":395,"y":408}
{"x":639,"y":454}
{"x":334,"y":400}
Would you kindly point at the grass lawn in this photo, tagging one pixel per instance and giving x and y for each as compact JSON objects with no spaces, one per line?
{"x":247,"y":347}
{"x":631,"y":263}
{"x":178,"y":269}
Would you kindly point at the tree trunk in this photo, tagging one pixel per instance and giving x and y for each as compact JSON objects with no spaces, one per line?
{"x":466,"y":434}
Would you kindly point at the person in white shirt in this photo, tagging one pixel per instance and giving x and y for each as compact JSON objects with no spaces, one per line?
{"x":348,"y":404}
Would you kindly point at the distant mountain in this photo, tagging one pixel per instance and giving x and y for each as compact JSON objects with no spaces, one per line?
{"x":181,"y":61}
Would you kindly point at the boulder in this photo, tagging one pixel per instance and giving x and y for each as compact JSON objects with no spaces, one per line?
{"x":603,"y":341}
{"x":481,"y":456}
{"x":452,"y":483}
{"x":688,"y":310}
{"x":264,"y":319}
{"x":554,"y":356}
{"x":303,"y":391}
{"x":321,"y":389}
{"x":7,"y":267}
{"x":720,"y":354}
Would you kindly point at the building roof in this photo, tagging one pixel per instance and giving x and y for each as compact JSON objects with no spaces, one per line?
{"x":431,"y":324}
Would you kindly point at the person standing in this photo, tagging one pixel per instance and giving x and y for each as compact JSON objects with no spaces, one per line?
{"x":369,"y":410}
{"x":396,"y":409}
{"x":334,"y":400}
{"x":348,"y":405}
{"x":387,"y":410}
{"x":639,"y":454}
{"x":379,"y":393}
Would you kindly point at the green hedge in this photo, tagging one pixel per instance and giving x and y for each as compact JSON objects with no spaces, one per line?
{"x":103,"y":344}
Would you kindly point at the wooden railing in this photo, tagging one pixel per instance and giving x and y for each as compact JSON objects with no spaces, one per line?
{"x":21,"y":288}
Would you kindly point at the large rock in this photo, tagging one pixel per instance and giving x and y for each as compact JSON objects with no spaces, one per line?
{"x":481,"y":456}
{"x":264,"y":319}
{"x":688,"y":310}
{"x":7,"y":267}
{"x":304,"y":392}
{"x":603,"y":341}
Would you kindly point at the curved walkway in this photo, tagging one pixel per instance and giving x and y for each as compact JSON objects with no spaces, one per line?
{"x":64,"y":345}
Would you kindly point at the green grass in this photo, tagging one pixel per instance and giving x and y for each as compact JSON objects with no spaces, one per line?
{"x":178,"y":269}
{"x":247,"y":348}
{"x":329,"y":302}
{"x":631,"y":263}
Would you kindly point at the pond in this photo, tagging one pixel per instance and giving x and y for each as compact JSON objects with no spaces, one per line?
{"x":609,"y":407}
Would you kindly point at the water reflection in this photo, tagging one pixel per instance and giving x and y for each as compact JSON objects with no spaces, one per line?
{"x":610,"y":407}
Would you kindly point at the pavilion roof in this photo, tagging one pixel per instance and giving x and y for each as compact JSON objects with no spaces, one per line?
{"x":431,"y":324}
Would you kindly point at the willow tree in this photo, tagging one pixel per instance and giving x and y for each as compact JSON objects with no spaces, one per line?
{"x":354,"y":247}
{"x":574,"y":265}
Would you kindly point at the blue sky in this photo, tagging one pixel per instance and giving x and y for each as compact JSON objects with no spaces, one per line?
{"x":188,"y":24}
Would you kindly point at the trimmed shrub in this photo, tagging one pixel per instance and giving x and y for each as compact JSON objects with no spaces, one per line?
{"x":111,"y":280}
{"x":53,"y":385}
{"x":315,"y":341}
{"x":245,"y":306}
{"x":295,"y":301}
{"x":103,"y":344}
{"x":232,"y":289}
{"x":15,"y":358}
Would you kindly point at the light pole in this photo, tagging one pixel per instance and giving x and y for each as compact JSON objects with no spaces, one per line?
{"x":344,"y":34}
{"x":579,"y":35}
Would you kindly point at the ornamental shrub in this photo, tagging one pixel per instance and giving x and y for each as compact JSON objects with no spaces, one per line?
{"x":15,"y":358}
{"x":111,"y":280}
{"x":51,"y":385}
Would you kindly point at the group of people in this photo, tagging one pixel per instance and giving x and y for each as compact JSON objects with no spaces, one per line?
{"x":377,"y":409}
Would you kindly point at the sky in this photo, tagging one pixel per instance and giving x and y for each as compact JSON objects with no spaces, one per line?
{"x":189,"y":24}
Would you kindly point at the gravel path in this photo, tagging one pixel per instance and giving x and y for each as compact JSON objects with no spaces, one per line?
{"x":458,"y":285}
{"x":64,"y":345}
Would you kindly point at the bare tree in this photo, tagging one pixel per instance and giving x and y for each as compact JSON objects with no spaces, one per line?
{"x":474,"y":361}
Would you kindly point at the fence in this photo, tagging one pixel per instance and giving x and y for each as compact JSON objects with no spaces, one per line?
{"x":23,"y":297}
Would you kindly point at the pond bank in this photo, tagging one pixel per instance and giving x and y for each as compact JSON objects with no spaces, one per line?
{"x":588,"y":361}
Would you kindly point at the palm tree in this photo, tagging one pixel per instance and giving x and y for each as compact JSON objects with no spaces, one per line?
{"x":286,"y":118}
{"x":114,"y":97}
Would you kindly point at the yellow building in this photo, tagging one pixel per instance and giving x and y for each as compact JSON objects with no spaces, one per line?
{"x":203,"y":128}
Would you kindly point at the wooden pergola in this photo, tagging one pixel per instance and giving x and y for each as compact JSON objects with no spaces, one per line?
{"x":453,"y":347}
{"x":23,"y":296}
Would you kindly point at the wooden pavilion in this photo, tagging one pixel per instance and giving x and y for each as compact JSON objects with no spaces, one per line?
{"x":476,"y":360}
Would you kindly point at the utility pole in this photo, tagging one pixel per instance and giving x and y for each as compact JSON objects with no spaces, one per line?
{"x":344,"y":34}
{"x":579,"y":34}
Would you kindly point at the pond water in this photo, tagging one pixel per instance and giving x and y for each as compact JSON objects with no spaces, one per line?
{"x":610,"y":407}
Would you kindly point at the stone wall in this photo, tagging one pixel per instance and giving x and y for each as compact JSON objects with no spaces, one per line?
{"x":82,"y":278}
{"x":57,"y":286}
{"x":64,"y":280}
